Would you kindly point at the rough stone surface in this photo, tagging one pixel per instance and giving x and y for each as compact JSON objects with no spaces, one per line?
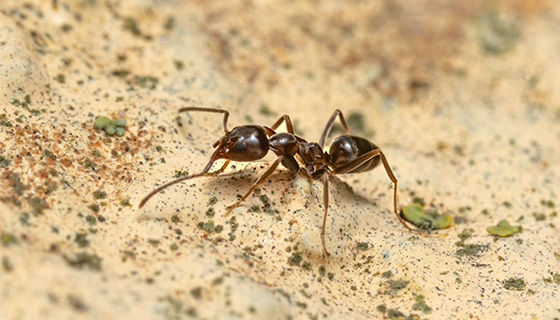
{"x":462,"y":98}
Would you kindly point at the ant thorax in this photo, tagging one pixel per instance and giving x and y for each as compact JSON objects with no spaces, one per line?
{"x":313,"y":157}
{"x":311,"y":153}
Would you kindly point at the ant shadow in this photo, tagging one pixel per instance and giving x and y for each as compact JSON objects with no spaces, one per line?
{"x":348,"y":211}
{"x":351,"y":215}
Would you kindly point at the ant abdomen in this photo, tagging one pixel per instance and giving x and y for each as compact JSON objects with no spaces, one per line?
{"x":346,"y":149}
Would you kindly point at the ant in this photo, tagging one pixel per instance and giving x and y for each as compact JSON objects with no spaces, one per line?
{"x":347,"y":154}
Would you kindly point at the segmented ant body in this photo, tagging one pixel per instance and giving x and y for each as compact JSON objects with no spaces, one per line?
{"x":347,"y":154}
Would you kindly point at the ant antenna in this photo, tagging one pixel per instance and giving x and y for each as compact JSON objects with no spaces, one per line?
{"x":225,"y":112}
{"x":181,"y":179}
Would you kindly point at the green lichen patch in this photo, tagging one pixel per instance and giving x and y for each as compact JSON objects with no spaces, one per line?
{"x":179,"y":174}
{"x":154,"y":242}
{"x":94,"y":207}
{"x":234,"y":226}
{"x":212,"y":200}
{"x":77,"y":303}
{"x":60,"y":78}
{"x":4,"y":162}
{"x":84,"y":260}
{"x":548,"y":203}
{"x":91,"y":220}
{"x":498,"y":32}
{"x":415,"y":214}
{"x":48,"y":187}
{"x":209,"y":226}
{"x":146,"y":82}
{"x":516,"y":284}
{"x":15,"y":182}
{"x":111,"y":127}
{"x":38,"y":204}
{"x":392,"y":287}
{"x":503,"y":229}
{"x":210,"y":212}
{"x":421,"y":305}
{"x":267,"y":206}
{"x":196,"y":292}
{"x":555,"y":278}
{"x":465,"y":235}
{"x":470,"y":250}
{"x":81,"y":239}
{"x":322,"y":271}
{"x":99,"y":194}
{"x":362,"y":246}
{"x":4,"y":122}
{"x":8,"y":239}
{"x":130,"y":24}
{"x":179,"y":64}
{"x":7,"y":265}
{"x":395,"y":314}
{"x":295,"y":259}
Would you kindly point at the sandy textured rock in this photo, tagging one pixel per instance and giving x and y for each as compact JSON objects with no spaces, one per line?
{"x":462,"y":98}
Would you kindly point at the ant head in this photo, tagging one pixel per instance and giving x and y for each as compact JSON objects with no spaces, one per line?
{"x":245,"y":143}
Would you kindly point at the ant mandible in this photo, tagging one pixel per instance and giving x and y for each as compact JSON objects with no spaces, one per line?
{"x":347,"y":154}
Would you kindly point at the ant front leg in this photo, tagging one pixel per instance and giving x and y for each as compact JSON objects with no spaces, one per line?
{"x":262,"y":179}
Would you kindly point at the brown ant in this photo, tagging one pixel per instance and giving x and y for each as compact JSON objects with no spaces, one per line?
{"x":347,"y":154}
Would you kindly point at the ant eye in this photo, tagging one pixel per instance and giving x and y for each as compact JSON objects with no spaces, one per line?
{"x":240,"y":146}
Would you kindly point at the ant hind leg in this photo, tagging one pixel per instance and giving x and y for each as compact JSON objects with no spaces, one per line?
{"x":325,"y":211}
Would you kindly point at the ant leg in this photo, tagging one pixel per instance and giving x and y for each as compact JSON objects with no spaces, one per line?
{"x":291,"y":163}
{"x":284,"y":118}
{"x":363,"y":159}
{"x":265,"y":176}
{"x":348,"y":167}
{"x":204,"y":173}
{"x":225,"y":112}
{"x":325,"y":210}
{"x":394,"y":181}
{"x":330,"y":124}
{"x":269,"y":132}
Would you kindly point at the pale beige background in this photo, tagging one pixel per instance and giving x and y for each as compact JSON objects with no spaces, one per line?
{"x":462,"y":98}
